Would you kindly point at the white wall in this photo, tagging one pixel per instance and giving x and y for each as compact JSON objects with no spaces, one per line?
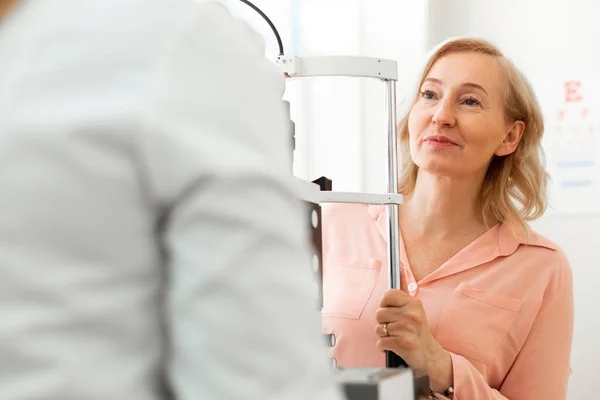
{"x":577,"y":235}
{"x":395,"y":30}
{"x":327,"y":110}
{"x":547,"y":38}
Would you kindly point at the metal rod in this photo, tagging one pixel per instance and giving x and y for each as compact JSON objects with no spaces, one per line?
{"x":392,"y":360}
{"x":393,"y":235}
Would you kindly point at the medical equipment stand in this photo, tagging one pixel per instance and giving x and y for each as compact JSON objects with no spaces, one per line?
{"x":363,"y":384}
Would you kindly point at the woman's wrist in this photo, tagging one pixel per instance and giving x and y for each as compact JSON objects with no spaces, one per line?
{"x":439,"y":370}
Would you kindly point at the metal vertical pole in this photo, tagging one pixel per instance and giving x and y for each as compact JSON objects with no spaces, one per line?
{"x":393,"y":235}
{"x":392,"y":359}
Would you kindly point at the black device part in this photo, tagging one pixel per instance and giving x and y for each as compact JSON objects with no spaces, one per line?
{"x":421,"y":384}
{"x":325,"y":185}
{"x":393,"y":360}
{"x":316,"y":234}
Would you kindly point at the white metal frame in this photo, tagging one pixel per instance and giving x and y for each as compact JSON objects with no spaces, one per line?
{"x":358,"y":67}
{"x":311,"y":192}
{"x":347,"y":66}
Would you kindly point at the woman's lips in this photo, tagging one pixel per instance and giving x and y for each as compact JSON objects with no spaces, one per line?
{"x":439,"y":142}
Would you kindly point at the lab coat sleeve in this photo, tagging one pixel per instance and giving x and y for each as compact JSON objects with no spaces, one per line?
{"x":242,"y":311}
{"x":542,"y":367}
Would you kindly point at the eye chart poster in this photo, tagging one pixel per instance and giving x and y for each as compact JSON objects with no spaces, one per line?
{"x":571,"y":107}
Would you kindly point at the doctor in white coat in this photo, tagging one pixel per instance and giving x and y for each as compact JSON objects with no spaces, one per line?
{"x":151,"y":247}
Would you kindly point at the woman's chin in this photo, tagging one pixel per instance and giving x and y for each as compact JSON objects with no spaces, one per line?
{"x":440,"y":169}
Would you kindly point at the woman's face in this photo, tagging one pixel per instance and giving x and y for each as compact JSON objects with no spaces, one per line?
{"x":458,"y":124}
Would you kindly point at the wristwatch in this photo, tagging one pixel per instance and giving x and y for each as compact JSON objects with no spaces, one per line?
{"x":448,"y":393}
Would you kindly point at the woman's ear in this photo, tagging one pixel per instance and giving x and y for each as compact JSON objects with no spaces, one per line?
{"x":511,"y":139}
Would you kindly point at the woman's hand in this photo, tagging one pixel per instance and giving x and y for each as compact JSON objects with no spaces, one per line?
{"x":408,"y":335}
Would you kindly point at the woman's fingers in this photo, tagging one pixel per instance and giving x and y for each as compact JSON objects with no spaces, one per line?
{"x":400,"y":327}
{"x":388,"y":314}
{"x":395,"y":298}
{"x":399,"y":344}
{"x":413,"y":315}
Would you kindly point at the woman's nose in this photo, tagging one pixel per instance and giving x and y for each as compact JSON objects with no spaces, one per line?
{"x":444,"y":114}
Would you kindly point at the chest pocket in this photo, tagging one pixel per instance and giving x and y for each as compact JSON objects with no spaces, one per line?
{"x":348,"y":285}
{"x":474,"y":322}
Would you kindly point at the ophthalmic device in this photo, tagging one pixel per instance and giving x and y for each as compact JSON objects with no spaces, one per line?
{"x":395,"y":381}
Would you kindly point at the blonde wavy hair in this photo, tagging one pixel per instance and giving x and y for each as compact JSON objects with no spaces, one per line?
{"x":515,"y":186}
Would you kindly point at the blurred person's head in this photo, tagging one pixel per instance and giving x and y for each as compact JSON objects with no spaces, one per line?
{"x":474,"y":116}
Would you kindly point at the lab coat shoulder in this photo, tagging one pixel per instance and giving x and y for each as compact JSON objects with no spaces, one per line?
{"x":215,"y":107}
{"x":177,"y":95}
{"x":215,"y":148}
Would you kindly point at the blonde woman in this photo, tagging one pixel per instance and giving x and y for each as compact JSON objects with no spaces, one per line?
{"x":486,"y":304}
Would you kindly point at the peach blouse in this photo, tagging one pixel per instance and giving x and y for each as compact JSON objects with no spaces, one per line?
{"x":502,"y":306}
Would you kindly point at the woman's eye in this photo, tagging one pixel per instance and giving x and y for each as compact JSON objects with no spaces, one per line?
{"x":472,"y":102}
{"x":428,"y":95}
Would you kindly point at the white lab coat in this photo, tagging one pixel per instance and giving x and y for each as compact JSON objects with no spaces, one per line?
{"x":149,"y":238}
